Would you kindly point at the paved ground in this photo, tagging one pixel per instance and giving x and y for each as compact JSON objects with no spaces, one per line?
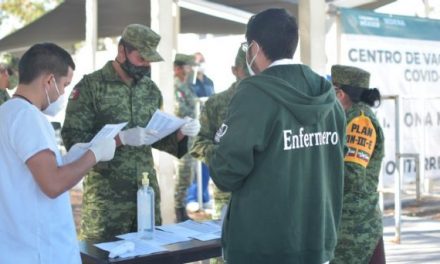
{"x":420,"y":240}
{"x":420,"y":231}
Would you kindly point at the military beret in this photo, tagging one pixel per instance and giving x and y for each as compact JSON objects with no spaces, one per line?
{"x":351,"y":76}
{"x":144,"y":40}
{"x":184,"y":59}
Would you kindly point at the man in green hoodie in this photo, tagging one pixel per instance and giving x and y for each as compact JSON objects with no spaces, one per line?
{"x":280,"y":153}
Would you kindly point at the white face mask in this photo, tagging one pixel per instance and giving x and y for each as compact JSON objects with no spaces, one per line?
{"x":55,"y":107}
{"x":201,"y":67}
{"x":249,"y":64}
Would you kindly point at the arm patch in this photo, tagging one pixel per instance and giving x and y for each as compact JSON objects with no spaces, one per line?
{"x":361,"y":140}
{"x":74,"y":94}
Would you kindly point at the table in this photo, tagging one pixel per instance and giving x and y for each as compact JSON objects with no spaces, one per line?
{"x":178,"y":253}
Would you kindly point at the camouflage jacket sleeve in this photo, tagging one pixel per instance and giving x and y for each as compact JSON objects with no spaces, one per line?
{"x":170,"y":145}
{"x":80,"y":115}
{"x":211,"y":118}
{"x":185,"y":100}
{"x":361,"y":173}
{"x":203,"y":145}
{"x":4,"y":96}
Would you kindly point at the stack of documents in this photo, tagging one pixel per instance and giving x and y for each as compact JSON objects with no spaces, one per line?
{"x":166,"y":235}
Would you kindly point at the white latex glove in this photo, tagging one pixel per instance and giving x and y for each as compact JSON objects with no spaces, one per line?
{"x":191,"y":128}
{"x":136,"y":136}
{"x":151,"y":136}
{"x":125,"y":247}
{"x":76,"y":152}
{"x":104,"y":149}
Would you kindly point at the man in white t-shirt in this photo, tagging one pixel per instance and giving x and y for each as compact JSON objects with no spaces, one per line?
{"x":36,"y":223}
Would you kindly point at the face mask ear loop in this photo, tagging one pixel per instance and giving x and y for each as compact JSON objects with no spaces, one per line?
{"x":56,"y":86}
{"x":249,"y":64}
{"x":47,"y":97}
{"x":256,"y":53}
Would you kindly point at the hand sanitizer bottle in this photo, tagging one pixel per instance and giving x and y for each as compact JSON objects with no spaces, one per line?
{"x":145,"y":209}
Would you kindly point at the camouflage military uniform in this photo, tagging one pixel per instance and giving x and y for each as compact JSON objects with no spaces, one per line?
{"x":185,"y":106}
{"x":4,"y":96}
{"x":109,"y":199}
{"x":361,"y":222}
{"x":211,"y":118}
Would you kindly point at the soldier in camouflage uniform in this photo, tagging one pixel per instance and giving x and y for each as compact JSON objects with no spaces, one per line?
{"x":8,"y":80}
{"x":119,"y":92}
{"x":360,"y":233}
{"x":185,"y":106}
{"x":211,"y":118}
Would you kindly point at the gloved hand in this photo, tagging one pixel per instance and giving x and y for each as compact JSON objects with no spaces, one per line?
{"x":75,"y":152}
{"x":104,"y":149}
{"x":136,"y":136}
{"x":191,"y":128}
{"x":151,"y":136}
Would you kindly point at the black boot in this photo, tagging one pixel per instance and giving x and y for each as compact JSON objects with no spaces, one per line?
{"x":181,"y":215}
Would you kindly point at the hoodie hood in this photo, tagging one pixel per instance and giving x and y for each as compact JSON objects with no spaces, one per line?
{"x":306,"y":95}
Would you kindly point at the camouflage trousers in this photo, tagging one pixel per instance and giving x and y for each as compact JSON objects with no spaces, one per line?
{"x":103,"y":218}
{"x":356,"y":241}
{"x":221,"y":200}
{"x":184,"y":176}
{"x":104,"y":225}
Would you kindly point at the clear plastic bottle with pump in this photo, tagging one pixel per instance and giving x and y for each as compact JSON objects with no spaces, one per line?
{"x":145,"y":209}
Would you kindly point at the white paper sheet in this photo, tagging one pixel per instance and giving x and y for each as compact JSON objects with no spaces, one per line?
{"x":141,"y":247}
{"x":162,"y":124}
{"x":109,"y":131}
{"x":207,"y":236}
{"x":176,"y":229}
{"x":193,"y":229}
{"x":160,"y":238}
{"x":202,"y":227}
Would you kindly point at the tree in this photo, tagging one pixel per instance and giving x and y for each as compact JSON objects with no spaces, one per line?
{"x":25,"y":11}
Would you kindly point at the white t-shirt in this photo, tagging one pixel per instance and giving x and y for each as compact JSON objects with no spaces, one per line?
{"x":33,"y":227}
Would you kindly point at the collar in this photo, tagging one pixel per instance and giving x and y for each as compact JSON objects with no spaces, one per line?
{"x":282,"y":62}
{"x":109,"y":73}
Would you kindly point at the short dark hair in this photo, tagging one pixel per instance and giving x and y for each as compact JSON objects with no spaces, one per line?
{"x":276,"y":31}
{"x":44,"y":58}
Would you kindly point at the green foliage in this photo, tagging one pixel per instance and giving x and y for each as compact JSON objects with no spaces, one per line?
{"x":10,"y":60}
{"x":25,"y":10}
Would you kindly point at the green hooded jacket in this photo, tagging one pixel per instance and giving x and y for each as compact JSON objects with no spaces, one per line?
{"x":281,"y":154}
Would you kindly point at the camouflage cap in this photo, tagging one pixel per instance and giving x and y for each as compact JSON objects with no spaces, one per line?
{"x":240,"y":58}
{"x":144,"y":40}
{"x":352,"y":76}
{"x":184,"y":59}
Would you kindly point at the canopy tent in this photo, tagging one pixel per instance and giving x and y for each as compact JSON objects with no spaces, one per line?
{"x":66,"y":23}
